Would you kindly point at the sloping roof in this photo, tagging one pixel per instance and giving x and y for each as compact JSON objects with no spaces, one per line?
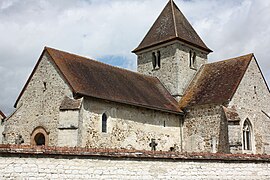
{"x":231,"y":114}
{"x":171,"y":25}
{"x":91,"y":78}
{"x":2,"y":114}
{"x":70,"y":104}
{"x":216,"y":83}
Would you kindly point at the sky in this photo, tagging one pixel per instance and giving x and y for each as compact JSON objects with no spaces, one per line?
{"x":108,"y":30}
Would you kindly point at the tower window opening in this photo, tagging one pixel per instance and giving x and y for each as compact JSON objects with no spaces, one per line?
{"x":154,"y":60}
{"x":158,"y":59}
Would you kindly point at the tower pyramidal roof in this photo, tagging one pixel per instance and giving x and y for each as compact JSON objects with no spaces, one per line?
{"x":171,"y":25}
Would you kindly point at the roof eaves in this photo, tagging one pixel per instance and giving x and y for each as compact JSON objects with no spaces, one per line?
{"x":135,"y":104}
{"x":168,"y":40}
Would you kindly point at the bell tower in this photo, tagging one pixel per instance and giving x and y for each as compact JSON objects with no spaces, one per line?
{"x":172,"y":51}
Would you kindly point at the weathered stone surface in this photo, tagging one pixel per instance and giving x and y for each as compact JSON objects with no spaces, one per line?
{"x":39,"y":105}
{"x":175,"y":72}
{"x":67,"y":163}
{"x":205,"y":130}
{"x":250,"y":100}
{"x":128,"y":127}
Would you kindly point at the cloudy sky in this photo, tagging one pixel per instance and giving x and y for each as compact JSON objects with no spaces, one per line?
{"x":107,"y":30}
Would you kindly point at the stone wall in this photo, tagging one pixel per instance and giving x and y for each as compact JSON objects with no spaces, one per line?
{"x":251,"y":101}
{"x":56,"y":163}
{"x":175,"y":72}
{"x":1,"y":131}
{"x":205,"y":130}
{"x":38,"y":105}
{"x":128,"y":127}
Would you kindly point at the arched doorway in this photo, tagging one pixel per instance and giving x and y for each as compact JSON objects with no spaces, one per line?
{"x":39,"y":137}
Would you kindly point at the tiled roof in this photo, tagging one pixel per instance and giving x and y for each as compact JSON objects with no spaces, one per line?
{"x":70,"y":104}
{"x":91,"y":78}
{"x":171,"y":25}
{"x":231,"y":114}
{"x":216,"y":82}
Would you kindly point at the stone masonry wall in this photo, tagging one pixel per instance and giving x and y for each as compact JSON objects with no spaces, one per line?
{"x":40,"y":164}
{"x":175,"y":72}
{"x":39,"y":105}
{"x":128,"y":127}
{"x":205,"y":130}
{"x":251,"y":98}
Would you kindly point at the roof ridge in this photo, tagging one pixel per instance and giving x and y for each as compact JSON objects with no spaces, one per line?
{"x":116,"y":67}
{"x":174,"y":21}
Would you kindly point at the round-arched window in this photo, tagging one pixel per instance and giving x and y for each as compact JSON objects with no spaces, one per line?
{"x":39,"y":137}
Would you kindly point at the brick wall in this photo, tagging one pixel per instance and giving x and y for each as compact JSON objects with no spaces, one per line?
{"x":25,"y":162}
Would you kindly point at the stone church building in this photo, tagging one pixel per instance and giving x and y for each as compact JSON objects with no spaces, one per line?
{"x":177,"y":101}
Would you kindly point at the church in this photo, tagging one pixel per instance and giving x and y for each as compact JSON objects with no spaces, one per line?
{"x":176,"y":101}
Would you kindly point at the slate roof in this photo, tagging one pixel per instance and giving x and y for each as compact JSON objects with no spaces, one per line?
{"x":216,"y":83}
{"x":171,"y":25}
{"x":91,"y":78}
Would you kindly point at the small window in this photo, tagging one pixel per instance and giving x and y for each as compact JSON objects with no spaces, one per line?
{"x":104,"y":123}
{"x":158,"y":59}
{"x":247,"y":135}
{"x":154,"y":60}
{"x":40,"y":139}
{"x":192,"y":60}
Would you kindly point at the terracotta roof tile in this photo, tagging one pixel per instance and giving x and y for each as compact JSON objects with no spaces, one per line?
{"x":95,"y":79}
{"x":171,"y":25}
{"x":216,"y":82}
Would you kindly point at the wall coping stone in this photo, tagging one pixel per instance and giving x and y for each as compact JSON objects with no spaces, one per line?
{"x":47,"y":151}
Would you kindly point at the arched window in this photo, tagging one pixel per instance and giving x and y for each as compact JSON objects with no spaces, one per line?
{"x":104,"y":123}
{"x":158,"y":59}
{"x":39,"y":137}
{"x":190,"y":59}
{"x":247,"y":132}
{"x":154,"y":60}
{"x":194,"y":60}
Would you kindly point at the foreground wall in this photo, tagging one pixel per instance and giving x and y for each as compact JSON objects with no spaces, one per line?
{"x":71,"y":163}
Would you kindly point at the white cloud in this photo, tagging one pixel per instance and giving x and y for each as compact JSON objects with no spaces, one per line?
{"x":102,"y":28}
